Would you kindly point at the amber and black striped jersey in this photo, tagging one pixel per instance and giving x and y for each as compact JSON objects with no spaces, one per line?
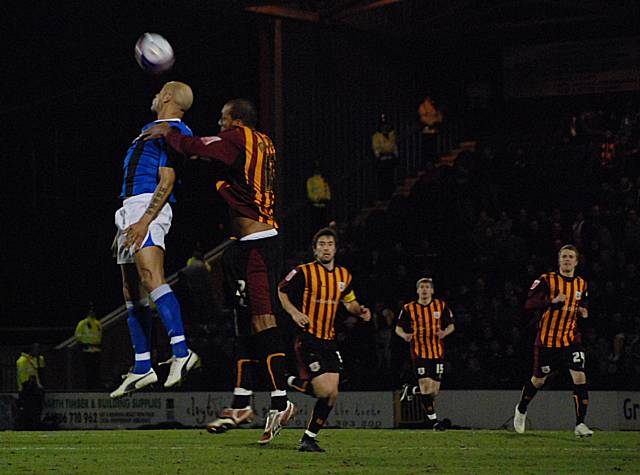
{"x":317,"y":292}
{"x":557,"y":327}
{"x":248,"y":180}
{"x":424,"y":321}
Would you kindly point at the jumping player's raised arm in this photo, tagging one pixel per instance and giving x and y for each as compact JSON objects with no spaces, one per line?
{"x":224,"y":147}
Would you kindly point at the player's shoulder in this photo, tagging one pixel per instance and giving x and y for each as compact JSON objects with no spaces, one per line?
{"x":440,"y":302}
{"x":580,"y":279}
{"x":343,"y":270}
{"x":234,"y":133}
{"x":184,"y":128}
{"x":307,"y":265}
{"x":542,"y":279}
{"x":546,"y":276}
{"x":261,"y":135}
{"x":300,"y":269}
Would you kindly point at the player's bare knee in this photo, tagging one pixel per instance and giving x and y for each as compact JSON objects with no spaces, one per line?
{"x":332,"y":391}
{"x":538,"y":382}
{"x":333,"y":397}
{"x":578,"y":377}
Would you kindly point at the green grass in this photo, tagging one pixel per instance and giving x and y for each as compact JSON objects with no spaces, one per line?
{"x":348,"y":451}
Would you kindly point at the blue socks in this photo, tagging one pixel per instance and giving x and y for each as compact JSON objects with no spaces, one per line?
{"x":169,"y":310}
{"x":139,"y":322}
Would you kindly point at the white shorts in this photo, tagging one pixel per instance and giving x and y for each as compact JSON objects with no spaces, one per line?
{"x":132,"y":210}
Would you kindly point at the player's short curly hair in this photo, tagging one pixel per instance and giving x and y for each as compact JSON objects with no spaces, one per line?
{"x":324,"y":232}
{"x":244,"y":110}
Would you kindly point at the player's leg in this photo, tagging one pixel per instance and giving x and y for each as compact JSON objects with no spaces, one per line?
{"x":541,"y":369}
{"x":271,"y":350}
{"x":409,"y":391}
{"x":324,"y":364}
{"x":262,"y":270}
{"x":429,"y":389}
{"x":302,"y":382}
{"x":240,"y":411}
{"x":580,"y":392}
{"x":139,"y":323}
{"x":150,"y":264}
{"x":325,"y":386}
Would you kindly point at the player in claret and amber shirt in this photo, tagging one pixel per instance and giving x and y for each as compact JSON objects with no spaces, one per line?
{"x":424,"y":324}
{"x":311,"y":294}
{"x":562,"y":298}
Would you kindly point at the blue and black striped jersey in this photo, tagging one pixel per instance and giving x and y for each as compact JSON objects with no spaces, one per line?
{"x":145,"y":158}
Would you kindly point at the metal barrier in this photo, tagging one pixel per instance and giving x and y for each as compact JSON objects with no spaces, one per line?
{"x":210,"y":257}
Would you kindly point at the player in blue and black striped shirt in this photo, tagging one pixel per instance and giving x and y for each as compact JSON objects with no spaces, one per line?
{"x":142,"y":222}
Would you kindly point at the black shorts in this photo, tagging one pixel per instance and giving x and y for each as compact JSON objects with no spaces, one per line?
{"x":547,"y":360}
{"x":429,"y":368}
{"x":252,"y":270}
{"x":316,"y":356}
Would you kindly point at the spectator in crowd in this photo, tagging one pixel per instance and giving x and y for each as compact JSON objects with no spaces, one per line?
{"x":89,"y":335}
{"x":196,"y":287}
{"x":29,"y":368}
{"x":431,"y":121}
{"x":385,"y":151}
{"x":319,"y":196}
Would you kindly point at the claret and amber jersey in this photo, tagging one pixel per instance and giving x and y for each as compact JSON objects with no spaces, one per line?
{"x":557,"y":327}
{"x":317,"y":292}
{"x":424,"y":321}
{"x":248,"y":180}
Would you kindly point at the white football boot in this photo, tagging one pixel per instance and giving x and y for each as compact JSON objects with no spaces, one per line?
{"x":180,"y":367}
{"x":519,"y":421}
{"x":582,"y":430}
{"x":132,"y":382}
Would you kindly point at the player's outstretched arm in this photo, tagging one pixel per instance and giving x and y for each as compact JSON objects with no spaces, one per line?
{"x":214,"y":147}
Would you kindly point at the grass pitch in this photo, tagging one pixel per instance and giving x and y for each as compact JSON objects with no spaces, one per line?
{"x":348,"y":451}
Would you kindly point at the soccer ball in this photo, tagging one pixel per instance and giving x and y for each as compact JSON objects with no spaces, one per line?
{"x":154,"y":54}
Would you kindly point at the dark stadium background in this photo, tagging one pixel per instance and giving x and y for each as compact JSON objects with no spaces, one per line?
{"x":73,"y":98}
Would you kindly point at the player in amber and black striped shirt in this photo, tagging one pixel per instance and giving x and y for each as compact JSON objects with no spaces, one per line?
{"x":311,"y":294}
{"x":424,"y":324}
{"x":562,"y":296}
